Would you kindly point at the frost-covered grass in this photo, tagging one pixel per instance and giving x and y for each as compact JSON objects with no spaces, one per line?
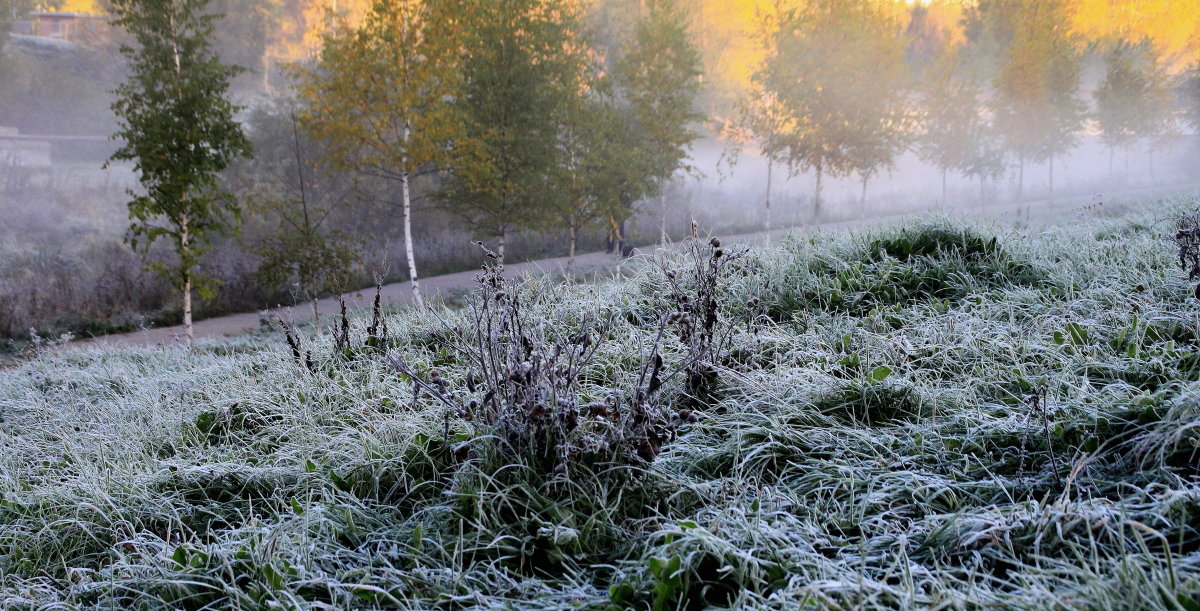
{"x":871,"y":444}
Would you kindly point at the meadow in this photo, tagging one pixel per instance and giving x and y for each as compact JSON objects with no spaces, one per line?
{"x":931,"y":415}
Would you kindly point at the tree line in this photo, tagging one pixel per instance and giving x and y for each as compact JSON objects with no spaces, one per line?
{"x":520,"y":119}
{"x":845,"y":88}
{"x":523,"y":115}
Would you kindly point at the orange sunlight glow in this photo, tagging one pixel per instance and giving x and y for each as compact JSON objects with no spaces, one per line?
{"x":726,"y":29}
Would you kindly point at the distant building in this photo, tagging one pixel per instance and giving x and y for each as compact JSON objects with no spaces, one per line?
{"x":78,"y":28}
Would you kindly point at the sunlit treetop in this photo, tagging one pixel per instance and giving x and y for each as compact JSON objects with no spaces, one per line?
{"x":1171,"y":26}
{"x":80,"y":6}
{"x":89,"y":7}
{"x":727,"y":31}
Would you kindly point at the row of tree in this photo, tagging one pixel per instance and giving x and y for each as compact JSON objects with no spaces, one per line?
{"x":845,"y":88}
{"x":527,"y":123}
{"x":512,"y":110}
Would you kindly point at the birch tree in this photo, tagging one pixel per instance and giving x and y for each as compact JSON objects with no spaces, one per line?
{"x":839,"y":70}
{"x":518,"y":72}
{"x":1037,"y":108}
{"x":759,"y":116}
{"x":1119,"y":100}
{"x":602,"y":167}
{"x":307,"y":251}
{"x":380,"y":97}
{"x":176,"y":125}
{"x":763,"y":120}
{"x":659,"y":76}
{"x":952,"y":125}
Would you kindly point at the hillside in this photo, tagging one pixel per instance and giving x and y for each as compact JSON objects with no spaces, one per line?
{"x":931,"y":415}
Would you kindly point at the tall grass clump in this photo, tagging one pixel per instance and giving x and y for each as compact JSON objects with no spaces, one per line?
{"x":1024,"y":436}
{"x":930,"y":262}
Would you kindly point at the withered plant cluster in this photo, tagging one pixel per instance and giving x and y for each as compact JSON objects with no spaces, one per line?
{"x":527,"y":393}
{"x":1187,"y":239}
{"x":528,"y":396}
{"x":695,"y":311}
{"x":377,"y":333}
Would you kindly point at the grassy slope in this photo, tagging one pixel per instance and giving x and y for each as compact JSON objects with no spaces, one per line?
{"x":232,"y":477}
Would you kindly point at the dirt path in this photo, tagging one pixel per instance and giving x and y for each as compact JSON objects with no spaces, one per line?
{"x":446,"y":285}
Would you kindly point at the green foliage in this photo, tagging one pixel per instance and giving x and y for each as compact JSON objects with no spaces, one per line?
{"x":658,"y":74}
{"x":380,"y":98}
{"x":934,"y":241}
{"x":377,"y":97}
{"x":922,"y":264}
{"x":519,"y":70}
{"x":874,"y":402}
{"x":284,"y":183}
{"x":990,"y":27}
{"x":1133,"y":101}
{"x":177,"y":127}
{"x":838,"y":69}
{"x":310,"y":259}
{"x":668,"y":582}
{"x":1037,"y":109}
{"x":601,"y":169}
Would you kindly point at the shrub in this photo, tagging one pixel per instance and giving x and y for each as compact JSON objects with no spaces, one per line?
{"x":924,"y":263}
{"x":934,"y":241}
{"x":1187,"y":241}
{"x":525,"y":394}
{"x":696,"y":311}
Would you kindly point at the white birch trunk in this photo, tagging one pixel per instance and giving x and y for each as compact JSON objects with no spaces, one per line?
{"x":187,"y":306}
{"x":408,"y":239}
{"x":185,"y":256}
{"x":185,"y":248}
{"x":662,"y":202}
{"x":816,"y":215}
{"x":571,"y":249}
{"x":770,"y":172}
{"x":1020,"y":176}
{"x":1051,"y":177}
{"x":862,"y":203}
{"x":944,"y":172}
